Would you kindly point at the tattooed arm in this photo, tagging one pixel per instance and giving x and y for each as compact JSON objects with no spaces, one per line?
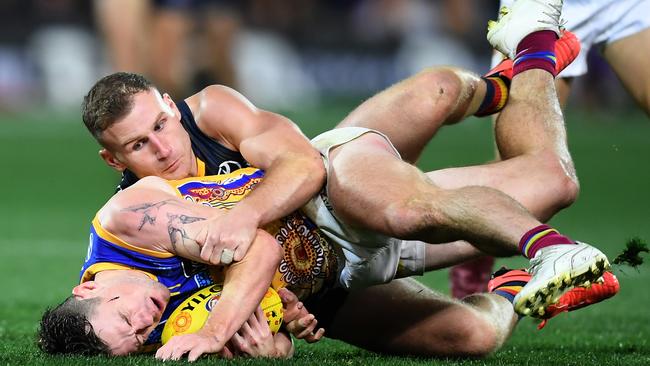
{"x":149,"y":215}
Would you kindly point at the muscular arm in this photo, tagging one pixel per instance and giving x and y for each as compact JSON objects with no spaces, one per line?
{"x":150,"y":216}
{"x":294,"y":171}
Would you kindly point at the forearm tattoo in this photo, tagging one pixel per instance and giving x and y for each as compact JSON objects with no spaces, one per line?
{"x":175,"y":223}
{"x":149,"y":211}
{"x":176,"y":230}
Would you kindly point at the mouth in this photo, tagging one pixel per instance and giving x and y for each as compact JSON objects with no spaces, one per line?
{"x":172,"y":166}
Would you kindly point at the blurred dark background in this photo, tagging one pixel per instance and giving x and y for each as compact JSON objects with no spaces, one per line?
{"x":279,"y":53}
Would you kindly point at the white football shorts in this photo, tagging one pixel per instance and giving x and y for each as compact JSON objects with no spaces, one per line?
{"x":370,"y":258}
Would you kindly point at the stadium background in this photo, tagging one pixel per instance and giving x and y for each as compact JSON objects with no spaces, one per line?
{"x":313,"y":61}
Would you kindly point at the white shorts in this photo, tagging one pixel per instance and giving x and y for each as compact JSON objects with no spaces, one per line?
{"x":369,"y":258}
{"x":597,"y":22}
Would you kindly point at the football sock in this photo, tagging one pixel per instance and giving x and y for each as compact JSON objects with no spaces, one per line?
{"x":536,"y":51}
{"x":513,"y":281}
{"x":496,"y":95}
{"x":540,"y":237}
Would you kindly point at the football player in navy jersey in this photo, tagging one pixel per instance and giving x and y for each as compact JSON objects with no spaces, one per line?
{"x":143,"y":132}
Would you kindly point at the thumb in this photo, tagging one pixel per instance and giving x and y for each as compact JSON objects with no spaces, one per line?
{"x":287,"y":296}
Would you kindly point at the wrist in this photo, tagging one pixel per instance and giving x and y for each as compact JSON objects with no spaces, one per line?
{"x":245,"y":212}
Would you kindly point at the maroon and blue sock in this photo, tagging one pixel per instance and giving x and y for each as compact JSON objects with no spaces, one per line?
{"x":536,"y":51}
{"x":540,"y":237}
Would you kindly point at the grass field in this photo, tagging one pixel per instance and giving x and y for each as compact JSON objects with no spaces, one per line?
{"x":53,"y":182}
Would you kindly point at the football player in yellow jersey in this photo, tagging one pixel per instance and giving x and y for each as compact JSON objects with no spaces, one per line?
{"x":134,"y":274}
{"x":374,"y":196}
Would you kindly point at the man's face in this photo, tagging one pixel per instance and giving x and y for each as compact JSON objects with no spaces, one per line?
{"x":150,"y":140}
{"x":127,"y":313}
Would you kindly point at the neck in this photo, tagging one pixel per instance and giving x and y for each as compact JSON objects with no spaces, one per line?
{"x":119,"y":274}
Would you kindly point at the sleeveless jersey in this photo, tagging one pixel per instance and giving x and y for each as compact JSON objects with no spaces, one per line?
{"x":217,"y":158}
{"x":309,"y":264}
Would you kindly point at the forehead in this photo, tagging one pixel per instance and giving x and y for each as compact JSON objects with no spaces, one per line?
{"x":147,"y":107}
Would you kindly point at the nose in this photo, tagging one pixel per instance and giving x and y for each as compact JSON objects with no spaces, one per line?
{"x":162,"y":148}
{"x":142,"y":321}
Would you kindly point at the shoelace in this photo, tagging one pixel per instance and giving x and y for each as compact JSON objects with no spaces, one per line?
{"x":555,"y":13}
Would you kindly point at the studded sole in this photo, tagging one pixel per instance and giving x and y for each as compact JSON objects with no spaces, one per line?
{"x":536,"y":303}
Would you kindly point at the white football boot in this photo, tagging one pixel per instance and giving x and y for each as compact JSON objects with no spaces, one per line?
{"x":522,"y":19}
{"x":555,"y":270}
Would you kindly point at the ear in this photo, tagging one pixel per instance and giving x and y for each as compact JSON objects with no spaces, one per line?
{"x":111,"y":160}
{"x":85,"y":290}
{"x":168,"y":101}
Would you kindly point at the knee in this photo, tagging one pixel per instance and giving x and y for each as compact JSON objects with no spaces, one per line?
{"x":474,"y":337}
{"x":407,"y":218}
{"x":447,"y":87}
{"x":559,"y":179}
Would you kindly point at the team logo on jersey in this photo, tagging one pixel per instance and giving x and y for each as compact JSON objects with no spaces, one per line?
{"x":309,"y":261}
{"x":228,"y":167}
{"x":220,"y":192}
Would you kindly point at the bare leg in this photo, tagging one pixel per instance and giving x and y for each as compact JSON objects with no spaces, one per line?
{"x":446,"y":255}
{"x":413,"y":110}
{"x":366,"y":176}
{"x":169,"y":67}
{"x":628,"y":58}
{"x":563,"y":88}
{"x":537,"y":169}
{"x":124,"y":24}
{"x":418,"y":321}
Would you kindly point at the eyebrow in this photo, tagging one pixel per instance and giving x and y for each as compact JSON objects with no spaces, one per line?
{"x":128,"y":142}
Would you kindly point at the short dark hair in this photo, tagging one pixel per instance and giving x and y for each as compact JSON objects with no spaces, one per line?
{"x":67,"y":330}
{"x":110,"y":99}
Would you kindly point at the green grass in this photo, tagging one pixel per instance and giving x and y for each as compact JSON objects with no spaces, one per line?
{"x":53,"y":183}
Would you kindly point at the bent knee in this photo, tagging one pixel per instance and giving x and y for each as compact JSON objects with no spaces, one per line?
{"x":560,"y":179}
{"x":474,"y":337}
{"x":407,"y":218}
{"x":445,"y":86}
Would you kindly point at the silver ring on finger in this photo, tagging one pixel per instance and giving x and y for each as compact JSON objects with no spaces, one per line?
{"x":227,"y":255}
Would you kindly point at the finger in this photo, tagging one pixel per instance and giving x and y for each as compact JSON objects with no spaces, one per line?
{"x":161,"y":354}
{"x":296,"y":326}
{"x":316,"y":336}
{"x":309,"y":330}
{"x":240,"y":251}
{"x":215,"y":256}
{"x":287,"y":296}
{"x":206,"y":251}
{"x":227,"y":353}
{"x":242,"y":344}
{"x":246,"y":327}
{"x":177,"y":353}
{"x":165,"y":352}
{"x":262,"y":323}
{"x":296,"y":312}
{"x":195,"y":353}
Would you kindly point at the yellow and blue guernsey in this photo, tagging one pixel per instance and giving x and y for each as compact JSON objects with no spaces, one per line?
{"x":309,"y":263}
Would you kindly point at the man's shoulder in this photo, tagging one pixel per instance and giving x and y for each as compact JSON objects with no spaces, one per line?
{"x":220,"y":113}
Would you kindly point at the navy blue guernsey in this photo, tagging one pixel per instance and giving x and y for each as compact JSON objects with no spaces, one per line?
{"x":218,"y":159}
